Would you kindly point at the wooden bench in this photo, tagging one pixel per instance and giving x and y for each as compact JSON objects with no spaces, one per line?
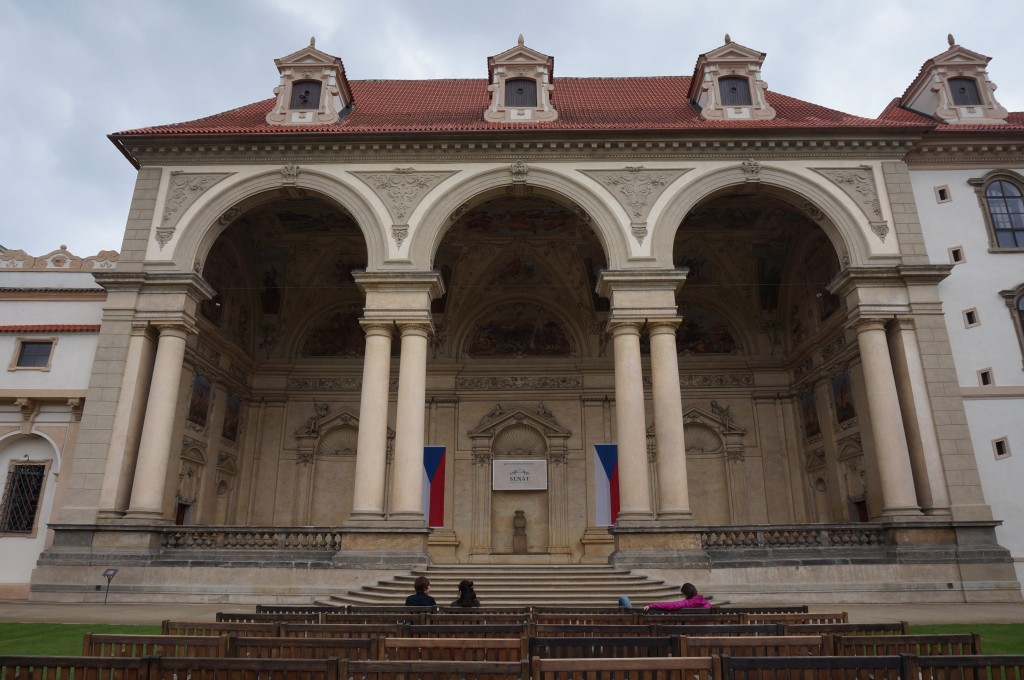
{"x":468,"y":630}
{"x":602,"y":647}
{"x":438,"y":670}
{"x":476,"y":617}
{"x":753,"y":645}
{"x":263,"y":617}
{"x":919,"y":645}
{"x":452,"y":649}
{"x":267,"y":629}
{"x":521,"y":612}
{"x":766,"y":609}
{"x":647,"y":668}
{"x":193,"y":668}
{"x":123,"y":645}
{"x":599,"y":630}
{"x":815,"y":668}
{"x":410,"y":616}
{"x":303,"y":648}
{"x":810,"y":617}
{"x":77,"y":667}
{"x":298,"y":608}
{"x":973,"y":667}
{"x":882,"y":628}
{"x":717,"y":629}
{"x":590,"y":618}
{"x":341,"y":630}
{"x":681,"y":616}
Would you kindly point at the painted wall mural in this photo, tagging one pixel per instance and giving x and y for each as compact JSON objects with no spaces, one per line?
{"x":842,"y":393}
{"x":199,"y":401}
{"x":339,"y":335}
{"x":232,"y":417}
{"x":509,"y":217}
{"x":519,"y":330}
{"x":703,"y":332}
{"x":809,"y":411}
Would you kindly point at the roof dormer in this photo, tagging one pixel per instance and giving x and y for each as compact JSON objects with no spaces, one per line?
{"x":520,"y":86}
{"x":954,"y":88}
{"x":313,"y":89}
{"x":727,"y":85}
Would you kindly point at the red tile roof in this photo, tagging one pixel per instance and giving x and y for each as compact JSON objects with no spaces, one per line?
{"x":453,"y":106}
{"x":52,"y":328}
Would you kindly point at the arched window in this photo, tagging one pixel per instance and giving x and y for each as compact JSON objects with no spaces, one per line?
{"x":965,"y":91}
{"x":1005,"y":203}
{"x":521,"y":93}
{"x":306,"y":94}
{"x":735,"y":91}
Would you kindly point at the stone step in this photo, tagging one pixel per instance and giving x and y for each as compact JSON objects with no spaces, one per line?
{"x":517,"y":585}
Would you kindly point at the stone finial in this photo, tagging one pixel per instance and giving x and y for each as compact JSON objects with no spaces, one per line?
{"x":520,"y":39}
{"x":727,"y":39}
{"x":312,"y":41}
{"x":950,"y":39}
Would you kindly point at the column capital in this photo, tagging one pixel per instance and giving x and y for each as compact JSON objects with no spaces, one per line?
{"x":378,"y":327}
{"x":904,"y":323}
{"x":422,"y":328}
{"x":178,"y":329}
{"x":625,"y":327}
{"x":664,"y":325}
{"x":865,"y":324}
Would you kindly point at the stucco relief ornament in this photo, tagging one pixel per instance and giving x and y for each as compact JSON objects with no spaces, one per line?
{"x":290,"y":174}
{"x":751,"y":170}
{"x":183,"y":189}
{"x":636,"y":190}
{"x":401,"y":190}
{"x":859,"y":185}
{"x":519,"y":171}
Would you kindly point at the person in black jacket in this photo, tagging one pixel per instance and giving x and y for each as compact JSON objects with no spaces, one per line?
{"x":467,"y":595}
{"x":420,"y":598}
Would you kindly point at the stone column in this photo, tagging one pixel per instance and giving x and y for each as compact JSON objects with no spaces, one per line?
{"x":897,"y":480}
{"x":372,"y":440}
{"x":407,"y":489}
{"x":634,"y":485}
{"x":147,"y":499}
{"x":123,"y":450}
{"x":673,"y":493}
{"x":922,"y":438}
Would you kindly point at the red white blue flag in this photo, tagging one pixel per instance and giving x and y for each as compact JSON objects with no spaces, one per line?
{"x":433,"y":485}
{"x":606,"y":483}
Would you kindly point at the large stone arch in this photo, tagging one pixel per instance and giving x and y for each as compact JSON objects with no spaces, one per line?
{"x":843,"y":228}
{"x":202,"y":230}
{"x":476,"y":189}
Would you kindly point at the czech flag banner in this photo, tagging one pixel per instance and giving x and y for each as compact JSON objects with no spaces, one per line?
{"x":433,"y":485}
{"x":606,"y":483}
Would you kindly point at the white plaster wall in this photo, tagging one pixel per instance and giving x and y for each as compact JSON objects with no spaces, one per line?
{"x":993,"y":344}
{"x":19,"y":552}
{"x":70,"y":365}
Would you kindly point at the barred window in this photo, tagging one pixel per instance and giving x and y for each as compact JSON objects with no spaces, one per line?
{"x":22,"y":492}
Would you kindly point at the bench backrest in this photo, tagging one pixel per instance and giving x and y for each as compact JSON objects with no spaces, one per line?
{"x":605,"y":618}
{"x":376,"y":617}
{"x":267,"y":629}
{"x":886,"y":628}
{"x":302,"y":648}
{"x":298,"y":608}
{"x":263,"y":617}
{"x":719,"y":630}
{"x":809,"y":618}
{"x":92,"y":667}
{"x":117,"y":644}
{"x":452,"y":649}
{"x":753,"y":645}
{"x":597,"y":630}
{"x":766,"y":609}
{"x":681,"y":616}
{"x":646,"y":668}
{"x":341,"y":630}
{"x":439,"y":670}
{"x":970,"y":667}
{"x":921,"y":645}
{"x":475,"y":630}
{"x":179,"y":667}
{"x":602,"y":647}
{"x":476,"y":617}
{"x":815,"y":668}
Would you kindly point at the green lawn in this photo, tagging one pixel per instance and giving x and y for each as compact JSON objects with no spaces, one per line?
{"x":57,"y":639}
{"x":65,"y":639}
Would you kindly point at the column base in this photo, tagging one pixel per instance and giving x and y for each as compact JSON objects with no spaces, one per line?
{"x":635,"y":519}
{"x":676,"y":519}
{"x":144,"y":517}
{"x":412,"y":520}
{"x":364,"y":519}
{"x":909,"y":512}
{"x":109,"y":516}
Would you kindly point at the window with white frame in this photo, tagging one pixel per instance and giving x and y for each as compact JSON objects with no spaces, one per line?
{"x":32,"y":353}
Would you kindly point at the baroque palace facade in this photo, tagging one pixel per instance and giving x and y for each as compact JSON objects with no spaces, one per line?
{"x":767,"y":306}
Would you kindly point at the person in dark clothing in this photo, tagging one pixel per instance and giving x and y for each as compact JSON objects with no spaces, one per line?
{"x":467,"y":595}
{"x":420,"y":598}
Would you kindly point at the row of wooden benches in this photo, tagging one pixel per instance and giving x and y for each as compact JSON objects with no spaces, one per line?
{"x":519,"y":649}
{"x":719,"y":667}
{"x":525,"y":610}
{"x":623,"y":617}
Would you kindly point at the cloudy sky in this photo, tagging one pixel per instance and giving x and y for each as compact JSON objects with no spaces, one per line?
{"x":77,"y":70}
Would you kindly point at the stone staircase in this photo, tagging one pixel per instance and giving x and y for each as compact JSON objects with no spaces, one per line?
{"x":517,"y":585}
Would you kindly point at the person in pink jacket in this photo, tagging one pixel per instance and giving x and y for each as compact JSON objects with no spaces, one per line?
{"x":694,"y":600}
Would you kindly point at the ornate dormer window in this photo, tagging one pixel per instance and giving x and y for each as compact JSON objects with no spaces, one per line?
{"x":520,"y":86}
{"x":313,"y":89}
{"x":727,"y":84}
{"x":954,"y":88}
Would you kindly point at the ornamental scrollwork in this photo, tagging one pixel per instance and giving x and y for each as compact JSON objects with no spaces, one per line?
{"x":635,"y":188}
{"x":183,"y":189}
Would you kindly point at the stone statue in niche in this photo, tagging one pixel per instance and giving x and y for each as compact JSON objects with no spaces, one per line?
{"x":519,"y":533}
{"x":312,"y":426}
{"x":724,"y":413}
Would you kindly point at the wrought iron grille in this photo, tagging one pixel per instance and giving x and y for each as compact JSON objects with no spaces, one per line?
{"x":21,"y":497}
